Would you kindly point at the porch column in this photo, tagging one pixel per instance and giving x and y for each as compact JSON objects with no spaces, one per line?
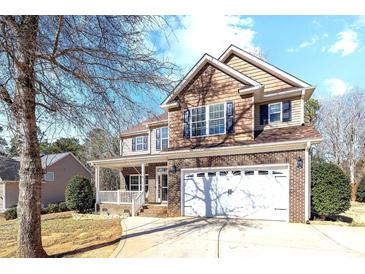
{"x":143,"y":176}
{"x":97,"y":184}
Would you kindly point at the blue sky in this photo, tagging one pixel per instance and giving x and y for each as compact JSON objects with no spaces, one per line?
{"x":326,"y":51}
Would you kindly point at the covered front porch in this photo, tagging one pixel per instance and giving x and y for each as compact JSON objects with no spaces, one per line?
{"x":141,"y":180}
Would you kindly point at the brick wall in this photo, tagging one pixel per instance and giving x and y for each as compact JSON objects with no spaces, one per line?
{"x":296,"y":176}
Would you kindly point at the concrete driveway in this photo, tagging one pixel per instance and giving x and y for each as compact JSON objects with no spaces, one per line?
{"x":225,"y":238}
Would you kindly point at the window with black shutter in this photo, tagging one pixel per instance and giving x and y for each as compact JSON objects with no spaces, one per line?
{"x":286,"y":111}
{"x":158,"y":139}
{"x":186,"y":129}
{"x":230,"y":117}
{"x":264,"y":114}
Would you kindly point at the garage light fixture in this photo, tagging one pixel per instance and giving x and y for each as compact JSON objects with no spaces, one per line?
{"x":299,"y":163}
{"x":173,"y":169}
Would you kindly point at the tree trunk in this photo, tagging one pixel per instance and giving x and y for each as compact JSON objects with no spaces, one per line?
{"x":30,"y":173}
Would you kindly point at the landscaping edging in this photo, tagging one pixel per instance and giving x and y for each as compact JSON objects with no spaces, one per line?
{"x":122,"y":240}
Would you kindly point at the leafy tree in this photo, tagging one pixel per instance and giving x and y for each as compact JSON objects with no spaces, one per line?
{"x":72,"y":73}
{"x":360,"y":194}
{"x":65,"y":145}
{"x":311,"y":109}
{"x":79,"y":194}
{"x":331,"y":189}
{"x":109,"y":179}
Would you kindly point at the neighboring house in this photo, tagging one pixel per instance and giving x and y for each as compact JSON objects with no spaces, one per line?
{"x":58,"y":169}
{"x":231,"y":142}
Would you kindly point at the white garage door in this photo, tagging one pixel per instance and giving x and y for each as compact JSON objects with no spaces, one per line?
{"x":253,"y":193}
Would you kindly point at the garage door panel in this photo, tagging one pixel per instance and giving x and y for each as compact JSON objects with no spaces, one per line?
{"x":257,"y":194}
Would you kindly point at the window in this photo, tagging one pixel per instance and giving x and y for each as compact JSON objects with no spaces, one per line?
{"x":135,"y":183}
{"x":49,"y":177}
{"x":198,"y":121}
{"x":236,"y":173}
{"x":200,"y":175}
{"x":216,"y":119}
{"x":263,"y":172}
{"x":275,"y":112}
{"x":164,"y":138}
{"x":140,"y":143}
{"x":223,"y":173}
{"x":249,"y":172}
{"x":212,"y":174}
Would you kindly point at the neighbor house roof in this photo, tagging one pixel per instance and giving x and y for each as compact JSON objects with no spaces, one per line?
{"x":143,"y":126}
{"x":9,"y":169}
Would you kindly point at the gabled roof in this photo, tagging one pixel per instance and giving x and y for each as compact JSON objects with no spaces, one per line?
{"x":143,"y":126}
{"x":9,"y":168}
{"x":248,"y":57}
{"x":207,"y":59}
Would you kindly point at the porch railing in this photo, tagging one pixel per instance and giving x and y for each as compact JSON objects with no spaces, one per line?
{"x":118,"y":196}
{"x":137,"y":203}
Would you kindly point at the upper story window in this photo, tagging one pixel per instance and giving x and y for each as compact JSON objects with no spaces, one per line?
{"x":162,"y":138}
{"x":275,"y":112}
{"x":140,"y":143}
{"x":49,"y":177}
{"x":216,"y":119}
{"x":198,"y":121}
{"x":209,"y":120}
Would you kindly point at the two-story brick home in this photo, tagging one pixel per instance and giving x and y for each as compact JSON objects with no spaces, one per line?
{"x":231,"y":142}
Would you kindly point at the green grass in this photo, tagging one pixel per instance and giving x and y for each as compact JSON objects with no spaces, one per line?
{"x":62,"y":236}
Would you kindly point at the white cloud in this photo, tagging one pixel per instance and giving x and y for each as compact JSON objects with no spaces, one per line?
{"x":305,"y":44}
{"x":212,"y":34}
{"x":347,"y":43}
{"x":336,"y":86}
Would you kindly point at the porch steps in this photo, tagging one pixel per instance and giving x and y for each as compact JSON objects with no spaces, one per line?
{"x":153,"y":210}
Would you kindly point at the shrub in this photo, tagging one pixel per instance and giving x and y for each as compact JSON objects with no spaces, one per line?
{"x":331,"y":189}
{"x":52,"y":208}
{"x":79,"y":194}
{"x":62,"y":206}
{"x":360,"y":194}
{"x":10,"y":214}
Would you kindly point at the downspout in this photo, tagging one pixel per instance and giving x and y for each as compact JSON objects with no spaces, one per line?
{"x":120,"y":146}
{"x":307,"y":183}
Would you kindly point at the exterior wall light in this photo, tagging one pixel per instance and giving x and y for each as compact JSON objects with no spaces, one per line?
{"x":299,"y":163}
{"x":173,"y":169}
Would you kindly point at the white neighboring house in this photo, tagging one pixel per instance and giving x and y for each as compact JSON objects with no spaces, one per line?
{"x":58,"y":170}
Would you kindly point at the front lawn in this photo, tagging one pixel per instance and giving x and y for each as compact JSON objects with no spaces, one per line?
{"x":62,"y":236}
{"x":355,"y":216}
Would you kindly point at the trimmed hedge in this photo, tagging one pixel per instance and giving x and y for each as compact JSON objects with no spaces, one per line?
{"x":331,"y":189}
{"x":360,"y":193}
{"x":79,"y":194}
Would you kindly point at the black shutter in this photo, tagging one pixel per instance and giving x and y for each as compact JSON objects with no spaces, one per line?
{"x":134,"y":144}
{"x":145,"y":142}
{"x":264,"y":114}
{"x":126,"y":178}
{"x":186,"y":132}
{"x":286,"y":111}
{"x":158,"y":139}
{"x":230,"y":117}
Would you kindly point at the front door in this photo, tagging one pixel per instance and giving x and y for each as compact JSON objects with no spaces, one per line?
{"x":161,"y":184}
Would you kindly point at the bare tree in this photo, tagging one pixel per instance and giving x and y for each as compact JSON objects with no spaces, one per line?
{"x":72,"y":73}
{"x":342,"y":123}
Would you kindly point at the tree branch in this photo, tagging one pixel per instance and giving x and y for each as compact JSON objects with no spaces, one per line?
{"x":59,"y":27}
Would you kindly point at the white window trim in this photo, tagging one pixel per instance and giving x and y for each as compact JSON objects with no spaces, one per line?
{"x":45,"y":176}
{"x":168,"y":137}
{"x":140,"y":137}
{"x":139,"y":181}
{"x":207,"y":120}
{"x":281,"y":112}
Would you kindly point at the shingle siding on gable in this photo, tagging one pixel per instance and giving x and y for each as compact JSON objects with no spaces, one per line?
{"x":271,"y":82}
{"x":212,"y":86}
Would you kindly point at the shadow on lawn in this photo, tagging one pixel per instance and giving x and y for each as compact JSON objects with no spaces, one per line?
{"x":84,"y":249}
